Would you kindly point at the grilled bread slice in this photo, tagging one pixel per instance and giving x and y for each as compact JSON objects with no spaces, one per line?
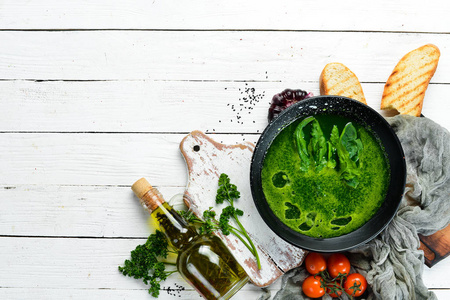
{"x":337,"y":79}
{"x":405,"y":88}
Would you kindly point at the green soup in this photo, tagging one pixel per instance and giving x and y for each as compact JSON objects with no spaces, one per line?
{"x":319,"y":203}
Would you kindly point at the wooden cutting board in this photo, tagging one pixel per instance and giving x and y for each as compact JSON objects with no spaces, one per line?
{"x":436,"y":247}
{"x":206,"y":159}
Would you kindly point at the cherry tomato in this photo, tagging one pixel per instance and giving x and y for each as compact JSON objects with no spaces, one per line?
{"x":355,"y":285}
{"x":338,"y":291}
{"x":315,"y":263}
{"x":338,"y":263}
{"x":312,"y":287}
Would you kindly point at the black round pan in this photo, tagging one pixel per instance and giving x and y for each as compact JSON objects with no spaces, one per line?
{"x":362,"y":114}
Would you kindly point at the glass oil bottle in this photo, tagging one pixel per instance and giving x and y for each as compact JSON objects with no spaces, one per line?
{"x":203,"y":260}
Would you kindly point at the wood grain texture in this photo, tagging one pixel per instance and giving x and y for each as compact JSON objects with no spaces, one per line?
{"x":155,"y":106}
{"x":170,"y":292}
{"x":207,"y":55}
{"x":205,"y":164}
{"x":75,"y":211}
{"x":95,"y":159}
{"x":436,"y":246}
{"x":71,"y":263}
{"x":135,"y":294}
{"x":203,"y":14}
{"x":70,"y":148}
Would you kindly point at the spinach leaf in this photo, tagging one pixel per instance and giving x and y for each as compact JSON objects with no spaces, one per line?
{"x":334,"y":139}
{"x":300,"y":142}
{"x":318,"y":146}
{"x":349,"y":149}
{"x":352,"y":144}
{"x":346,"y":147}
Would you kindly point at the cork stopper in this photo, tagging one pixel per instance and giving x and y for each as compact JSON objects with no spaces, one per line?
{"x":149,"y":196}
{"x":141,"y":187}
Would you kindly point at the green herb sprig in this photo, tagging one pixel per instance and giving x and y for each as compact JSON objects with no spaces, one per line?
{"x":146,"y":262}
{"x":226,"y":192}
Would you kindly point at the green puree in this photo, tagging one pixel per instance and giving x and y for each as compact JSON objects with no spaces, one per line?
{"x":320,"y":204}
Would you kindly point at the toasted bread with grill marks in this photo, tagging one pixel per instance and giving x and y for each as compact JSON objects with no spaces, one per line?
{"x":405,"y":88}
{"x":337,"y":79}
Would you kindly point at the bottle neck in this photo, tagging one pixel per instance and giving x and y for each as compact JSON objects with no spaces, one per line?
{"x":152,"y":199}
{"x":178,"y":232}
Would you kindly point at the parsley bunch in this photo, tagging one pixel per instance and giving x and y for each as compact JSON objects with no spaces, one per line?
{"x":146,"y":262}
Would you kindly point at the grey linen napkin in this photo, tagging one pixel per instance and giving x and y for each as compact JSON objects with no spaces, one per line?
{"x":391,"y":262}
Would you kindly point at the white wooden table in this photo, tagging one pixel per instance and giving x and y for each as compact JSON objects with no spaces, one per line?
{"x":96,"y":94}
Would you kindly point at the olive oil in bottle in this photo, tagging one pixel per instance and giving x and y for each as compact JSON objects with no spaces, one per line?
{"x":203,"y":260}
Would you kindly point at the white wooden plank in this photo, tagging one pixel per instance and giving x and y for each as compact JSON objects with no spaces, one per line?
{"x":49,"y":294}
{"x":110,"y":294}
{"x":92,"y":264}
{"x":442,"y":294}
{"x":87,"y":211}
{"x":154,"y":106}
{"x":437,"y":276}
{"x":69,"y":264}
{"x":187,"y":55}
{"x":75,"y":264}
{"x":135,"y":106}
{"x":96,"y":159}
{"x":293,"y":15}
